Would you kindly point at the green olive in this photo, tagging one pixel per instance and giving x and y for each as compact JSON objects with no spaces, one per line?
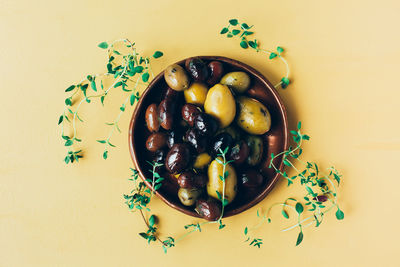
{"x":215,"y":184}
{"x":196,"y":94}
{"x":188,"y":196}
{"x":239,"y":81}
{"x":176,"y":77}
{"x":253,"y":116}
{"x":232,"y":130}
{"x":256,"y":148}
{"x":220,"y":104}
{"x":201,"y":161}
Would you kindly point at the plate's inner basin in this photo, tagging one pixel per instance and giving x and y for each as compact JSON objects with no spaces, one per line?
{"x":274,"y":142}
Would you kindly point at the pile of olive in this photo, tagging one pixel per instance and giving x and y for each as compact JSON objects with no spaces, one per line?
{"x":204,"y":111}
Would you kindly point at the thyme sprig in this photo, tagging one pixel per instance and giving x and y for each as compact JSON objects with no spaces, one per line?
{"x":123,"y":68}
{"x":320,"y":189}
{"x":235,"y":28}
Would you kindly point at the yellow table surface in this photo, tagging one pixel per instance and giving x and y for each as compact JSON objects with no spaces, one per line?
{"x":344,"y":58}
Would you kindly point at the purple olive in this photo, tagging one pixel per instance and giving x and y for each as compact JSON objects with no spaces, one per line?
{"x":251,"y":178}
{"x":239,"y":152}
{"x":216,"y":70}
{"x":156,"y":141}
{"x":220,"y":143}
{"x":189,"y":111}
{"x":208,"y":209}
{"x":197,"y":69}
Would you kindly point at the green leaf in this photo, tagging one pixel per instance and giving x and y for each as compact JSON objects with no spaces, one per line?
{"x":103,"y":45}
{"x":145,"y":77}
{"x":286,"y":162}
{"x":284,"y":213}
{"x":152,"y":220}
{"x":246,"y":230}
{"x":158,"y":54}
{"x":69,"y":142}
{"x":101,"y":141}
{"x":118,"y":84}
{"x":139,"y":69}
{"x":233,"y":22}
{"x":102,"y":100}
{"x":245,"y":26}
{"x":144,"y":235}
{"x":219,"y":195}
{"x":272,"y":55}
{"x":93,"y":85}
{"x":299,"y":238}
{"x":309,"y":190}
{"x":339,"y":214}
{"x":224,"y":30}
{"x":229,"y":35}
{"x":244,"y":44}
{"x":299,"y":208}
{"x":60,"y":120}
{"x":235,"y":32}
{"x":122,"y":108}
{"x":105,"y":154}
{"x":68,"y":101}
{"x":279,"y":49}
{"x":299,"y":125}
{"x":253,"y":44}
{"x":72,"y":87}
{"x":247,"y":33}
{"x":132,"y":99}
{"x":285,"y":82}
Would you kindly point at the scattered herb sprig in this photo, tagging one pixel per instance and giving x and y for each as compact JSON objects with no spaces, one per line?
{"x":127,"y":70}
{"x":139,"y":199}
{"x":243,"y":31}
{"x":320,"y":189}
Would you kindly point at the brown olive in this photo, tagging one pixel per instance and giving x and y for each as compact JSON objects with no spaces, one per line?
{"x":156,"y":141}
{"x":251,"y":178}
{"x":208,"y":209}
{"x":188,"y":113}
{"x":151,"y":118}
{"x":216,"y":70}
{"x":220,"y":143}
{"x":197,"y":69}
{"x":174,"y":137}
{"x":178,"y":158}
{"x":197,"y":140}
{"x":205,"y":124}
{"x":190,"y":179}
{"x":166,"y":112}
{"x":239,"y":152}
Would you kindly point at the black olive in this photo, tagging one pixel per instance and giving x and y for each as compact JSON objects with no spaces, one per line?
{"x":197,"y":140}
{"x":174,"y":137}
{"x":206,"y":124}
{"x":220,"y":143}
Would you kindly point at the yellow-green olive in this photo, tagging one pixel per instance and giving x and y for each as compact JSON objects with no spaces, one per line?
{"x":176,"y":77}
{"x":239,"y":81}
{"x":256,"y":148}
{"x":215,"y":184}
{"x":201,"y":161}
{"x":253,"y":116}
{"x":196,"y":94}
{"x":220,"y":104}
{"x":188,"y":196}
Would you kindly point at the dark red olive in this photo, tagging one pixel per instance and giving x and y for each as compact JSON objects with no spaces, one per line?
{"x":188,"y":113}
{"x":220,"y":143}
{"x":151,"y":118}
{"x":197,"y":140}
{"x":321,"y":198}
{"x":239,"y":152}
{"x":156,"y":141}
{"x":197,"y":69}
{"x":208,"y":209}
{"x":216,"y":70}
{"x":166,"y":113}
{"x":190,"y":179}
{"x":206,"y":124}
{"x":174,"y":137}
{"x":251,"y":178}
{"x":178,"y":158}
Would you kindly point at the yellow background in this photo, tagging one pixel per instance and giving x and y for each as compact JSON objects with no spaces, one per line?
{"x":344,"y":57}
